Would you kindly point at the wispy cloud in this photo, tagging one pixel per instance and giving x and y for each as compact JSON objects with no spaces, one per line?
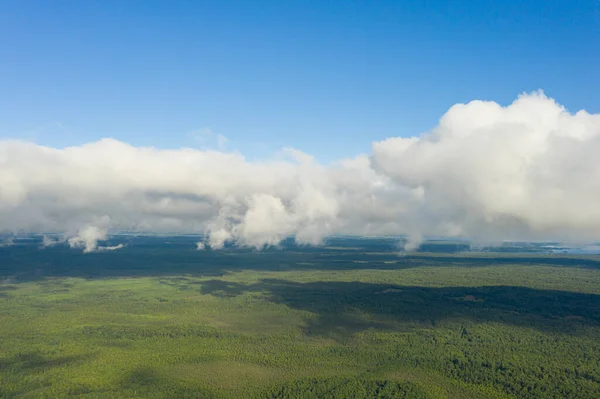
{"x":205,"y":138}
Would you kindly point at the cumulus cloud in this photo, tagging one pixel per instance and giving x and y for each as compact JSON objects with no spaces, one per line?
{"x":87,"y":238}
{"x":524,"y":171}
{"x":487,"y":172}
{"x":413,"y":242}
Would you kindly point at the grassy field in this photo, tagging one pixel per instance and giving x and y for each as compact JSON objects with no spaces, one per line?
{"x":355,"y":320}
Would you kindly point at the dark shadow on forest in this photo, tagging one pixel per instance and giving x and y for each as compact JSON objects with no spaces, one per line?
{"x":344,"y":308}
{"x":156,"y":258}
{"x":147,"y":381}
{"x":36,"y":361}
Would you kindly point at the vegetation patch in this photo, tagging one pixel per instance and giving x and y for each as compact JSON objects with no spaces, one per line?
{"x":161,"y":323}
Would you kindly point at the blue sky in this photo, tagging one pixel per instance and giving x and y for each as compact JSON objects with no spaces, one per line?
{"x":326,"y":77}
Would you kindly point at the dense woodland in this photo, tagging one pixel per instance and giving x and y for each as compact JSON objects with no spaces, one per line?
{"x":352,"y":319}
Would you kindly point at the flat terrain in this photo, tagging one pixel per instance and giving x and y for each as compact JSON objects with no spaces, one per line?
{"x":352,"y":319}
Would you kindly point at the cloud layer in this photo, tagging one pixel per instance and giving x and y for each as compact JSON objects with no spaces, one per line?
{"x":529,"y":170}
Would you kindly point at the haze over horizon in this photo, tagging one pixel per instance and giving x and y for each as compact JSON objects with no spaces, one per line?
{"x":255,"y":123}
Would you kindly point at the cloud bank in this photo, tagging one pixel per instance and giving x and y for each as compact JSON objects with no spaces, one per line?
{"x":526,"y":171}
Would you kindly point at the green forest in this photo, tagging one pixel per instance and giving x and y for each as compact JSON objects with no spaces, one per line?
{"x":351,"y":319}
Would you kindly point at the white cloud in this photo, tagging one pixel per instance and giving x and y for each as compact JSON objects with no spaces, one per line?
{"x":526,"y":171}
{"x":48,"y":241}
{"x":87,"y":238}
{"x":110,"y":248}
{"x":412,"y":243}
